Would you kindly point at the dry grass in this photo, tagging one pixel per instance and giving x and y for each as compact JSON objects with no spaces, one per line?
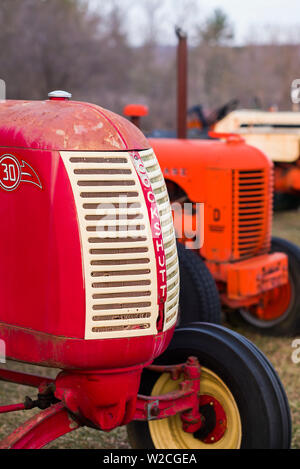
{"x":278,"y":350}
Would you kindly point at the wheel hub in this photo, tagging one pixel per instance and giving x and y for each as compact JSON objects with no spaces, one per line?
{"x":214,"y":421}
{"x":220,"y":425}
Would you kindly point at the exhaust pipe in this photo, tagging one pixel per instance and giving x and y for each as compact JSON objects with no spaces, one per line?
{"x":182,"y":73}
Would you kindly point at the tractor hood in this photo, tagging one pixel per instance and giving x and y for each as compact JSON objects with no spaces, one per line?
{"x":185,"y":162}
{"x":61,"y":124}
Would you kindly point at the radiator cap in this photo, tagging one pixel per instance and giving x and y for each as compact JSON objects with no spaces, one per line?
{"x":59,"y":94}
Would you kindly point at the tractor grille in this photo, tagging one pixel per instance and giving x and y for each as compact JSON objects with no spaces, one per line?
{"x":252,"y":212}
{"x":118,"y":252}
{"x":168,"y":234}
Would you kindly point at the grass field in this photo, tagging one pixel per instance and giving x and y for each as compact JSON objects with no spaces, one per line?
{"x":278,"y":350}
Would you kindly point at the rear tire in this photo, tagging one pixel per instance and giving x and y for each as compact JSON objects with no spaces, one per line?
{"x":288,"y":323}
{"x":250,"y":379}
{"x":199,"y":298}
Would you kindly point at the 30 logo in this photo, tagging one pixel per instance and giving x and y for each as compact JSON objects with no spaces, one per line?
{"x":12,"y":173}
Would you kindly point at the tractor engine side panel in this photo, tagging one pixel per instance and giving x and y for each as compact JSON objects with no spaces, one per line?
{"x":41,"y":278}
{"x":218,"y":215}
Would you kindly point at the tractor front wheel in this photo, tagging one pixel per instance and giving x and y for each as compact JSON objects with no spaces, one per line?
{"x":242,"y":401}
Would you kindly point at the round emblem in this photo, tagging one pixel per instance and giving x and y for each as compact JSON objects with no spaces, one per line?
{"x":10,"y":172}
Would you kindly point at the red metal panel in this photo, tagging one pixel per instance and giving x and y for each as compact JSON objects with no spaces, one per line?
{"x":41,"y":279}
{"x":29,"y":346}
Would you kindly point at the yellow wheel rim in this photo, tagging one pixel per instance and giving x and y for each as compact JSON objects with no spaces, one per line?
{"x":169,"y":434}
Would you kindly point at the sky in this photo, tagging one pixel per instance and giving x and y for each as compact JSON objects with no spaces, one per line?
{"x":254,"y":19}
{"x":254,"y":14}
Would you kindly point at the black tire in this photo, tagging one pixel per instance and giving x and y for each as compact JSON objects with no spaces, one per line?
{"x":285,"y":402}
{"x":199,"y":298}
{"x":289,"y":323}
{"x":255,"y":386}
{"x":283,"y":202}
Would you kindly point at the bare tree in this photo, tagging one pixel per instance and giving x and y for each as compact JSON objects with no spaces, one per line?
{"x":83,"y":46}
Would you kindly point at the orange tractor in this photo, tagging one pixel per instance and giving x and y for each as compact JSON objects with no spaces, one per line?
{"x":255,"y":274}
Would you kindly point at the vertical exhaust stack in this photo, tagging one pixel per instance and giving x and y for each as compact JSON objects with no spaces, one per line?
{"x":182,"y":73}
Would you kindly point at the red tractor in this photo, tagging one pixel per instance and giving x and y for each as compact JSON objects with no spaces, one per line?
{"x":90,"y":285}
